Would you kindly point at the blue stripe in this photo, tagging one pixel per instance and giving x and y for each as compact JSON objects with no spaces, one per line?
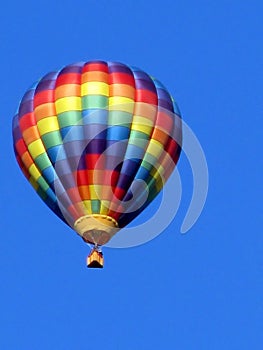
{"x":72,"y":133}
{"x":95,"y":116}
{"x":56,"y":153}
{"x":118,"y":133}
{"x":49,"y":174}
{"x":134,"y":152}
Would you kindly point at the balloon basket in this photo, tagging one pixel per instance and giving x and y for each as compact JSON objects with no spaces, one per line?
{"x":95,"y":259}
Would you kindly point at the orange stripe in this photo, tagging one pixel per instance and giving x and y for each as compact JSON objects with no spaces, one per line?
{"x":45,"y":110}
{"x":27,"y":160}
{"x":74,"y":212}
{"x":43,"y":97}
{"x":145,"y":110}
{"x":97,"y":177}
{"x":84,"y":192}
{"x":160,"y":136}
{"x":73,"y":194}
{"x":123,"y":90}
{"x":107,"y":193}
{"x":67,"y":90}
{"x":94,"y":76}
{"x":31,"y":134}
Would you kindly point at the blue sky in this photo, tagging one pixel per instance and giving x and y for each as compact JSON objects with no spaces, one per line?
{"x":202,"y":290}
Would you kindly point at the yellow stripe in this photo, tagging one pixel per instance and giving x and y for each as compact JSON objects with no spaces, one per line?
{"x":142,"y":124}
{"x":155,"y":148}
{"x":142,"y":128}
{"x":159,"y":185}
{"x":65,"y":104}
{"x":36,"y":148}
{"x":104,"y":207}
{"x":34,"y":172}
{"x":95,"y":191}
{"x":119,"y":100}
{"x":47,"y":125}
{"x":157,"y":171}
{"x":95,"y":88}
{"x":87,"y":205}
{"x":137,"y":119}
{"x":33,"y":183}
{"x":126,"y":107}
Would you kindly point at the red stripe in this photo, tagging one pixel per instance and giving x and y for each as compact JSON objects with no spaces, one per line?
{"x":82,"y":178}
{"x":96,"y":66}
{"x":87,"y":177}
{"x":146,"y":96}
{"x":74,"y":195}
{"x":115,"y":215}
{"x":75,"y":214}
{"x":43,"y":97}
{"x":172,"y":148}
{"x":114,"y":178}
{"x":93,"y":163}
{"x":22,"y":167}
{"x":68,"y":78}
{"x":164,"y":121}
{"x":121,"y":78}
{"x":119,"y":193}
{"x":21,"y":147}
{"x":27,"y":121}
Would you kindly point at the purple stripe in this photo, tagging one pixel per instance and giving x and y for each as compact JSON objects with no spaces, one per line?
{"x":25,"y":108}
{"x":124,"y":181}
{"x":15,"y":122}
{"x":130,"y":166}
{"x":62,"y":167}
{"x":64,"y":199}
{"x":50,"y":76}
{"x":166,"y":104}
{"x":17,"y":134}
{"x":163,"y":95}
{"x":95,"y":131}
{"x":96,"y":62}
{"x":48,"y":82}
{"x":29,"y":95}
{"x":45,"y":85}
{"x":116,"y":67}
{"x":96,"y":146}
{"x":82,"y":163}
{"x":74,"y":68}
{"x":68,"y":181}
{"x":75,"y":148}
{"x":145,"y":85}
{"x":142,"y":75}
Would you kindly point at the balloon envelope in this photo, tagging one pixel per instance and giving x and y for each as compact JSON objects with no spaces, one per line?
{"x":97,"y":141}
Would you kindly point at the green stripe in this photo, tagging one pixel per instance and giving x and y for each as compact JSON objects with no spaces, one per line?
{"x":150,"y":159}
{"x":146,"y":165}
{"x":135,"y":135}
{"x":52,"y":139}
{"x":43,"y":161}
{"x":141,"y":143}
{"x":94,"y":101}
{"x":95,"y":206}
{"x":70,"y":118}
{"x":120,"y":118}
{"x":42,"y":183}
{"x":152,"y":189}
{"x":41,"y":193}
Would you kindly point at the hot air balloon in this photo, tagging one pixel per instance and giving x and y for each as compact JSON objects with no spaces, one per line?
{"x":97,"y":141}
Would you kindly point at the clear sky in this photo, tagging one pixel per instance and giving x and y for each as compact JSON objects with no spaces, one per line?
{"x":202,"y":290}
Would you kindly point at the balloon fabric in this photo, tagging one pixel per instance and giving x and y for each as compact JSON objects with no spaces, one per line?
{"x":97,"y":140}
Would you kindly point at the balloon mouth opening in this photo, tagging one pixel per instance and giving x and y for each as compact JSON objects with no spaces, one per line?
{"x":96,"y":229}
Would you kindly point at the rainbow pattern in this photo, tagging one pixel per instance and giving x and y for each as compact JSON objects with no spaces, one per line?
{"x":97,"y":138}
